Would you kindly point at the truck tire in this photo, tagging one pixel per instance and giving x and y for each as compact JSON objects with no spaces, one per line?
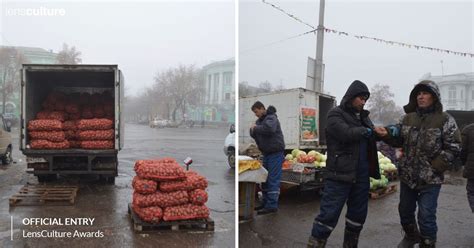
{"x":7,"y":158}
{"x":231,"y":158}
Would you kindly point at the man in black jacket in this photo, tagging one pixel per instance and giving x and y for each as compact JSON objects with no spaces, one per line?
{"x":267,"y":133}
{"x":351,"y":160}
{"x":467,"y":157}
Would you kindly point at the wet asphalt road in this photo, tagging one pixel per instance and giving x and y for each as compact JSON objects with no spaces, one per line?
{"x":108,"y":203}
{"x":291,"y":226}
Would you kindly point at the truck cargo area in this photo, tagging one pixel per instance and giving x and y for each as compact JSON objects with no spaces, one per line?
{"x":38,"y":81}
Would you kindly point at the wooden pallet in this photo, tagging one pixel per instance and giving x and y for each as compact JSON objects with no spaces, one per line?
{"x":180,"y":225}
{"x":44,"y":195}
{"x":379,"y":193}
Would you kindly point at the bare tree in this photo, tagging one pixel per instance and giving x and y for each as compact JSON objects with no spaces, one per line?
{"x":69,"y":55}
{"x":382,"y":107}
{"x":244,"y":89}
{"x":179,"y":86}
{"x":265,"y":87}
{"x":11,"y":61}
{"x":279,"y":87}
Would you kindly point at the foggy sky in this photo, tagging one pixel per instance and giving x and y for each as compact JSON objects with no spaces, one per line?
{"x":141,"y":37}
{"x":446,"y":25}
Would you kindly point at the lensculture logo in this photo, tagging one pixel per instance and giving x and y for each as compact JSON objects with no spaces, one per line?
{"x":41,"y":11}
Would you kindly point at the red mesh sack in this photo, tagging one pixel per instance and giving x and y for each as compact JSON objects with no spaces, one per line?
{"x":144,"y":186}
{"x":45,"y":144}
{"x":70,"y":135}
{"x":96,"y":135}
{"x":74,"y":144}
{"x":149,"y":214}
{"x":161,"y":171}
{"x":70,"y":125}
{"x":161,"y":199}
{"x":193,"y":181}
{"x":59,"y":106}
{"x":54,"y":136}
{"x":198,"y":197}
{"x":75,"y":116}
{"x":186,"y":212}
{"x":58,"y":115}
{"x":43,"y":115}
{"x":97,"y":144}
{"x":99,"y":112}
{"x":72,"y":108}
{"x":95,"y":124}
{"x":45,"y":125}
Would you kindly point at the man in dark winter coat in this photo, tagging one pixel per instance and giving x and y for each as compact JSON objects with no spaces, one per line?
{"x":467,"y":157}
{"x":269,"y":138}
{"x":351,"y":160}
{"x":431,"y":141}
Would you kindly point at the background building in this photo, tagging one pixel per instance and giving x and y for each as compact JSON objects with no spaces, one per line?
{"x":219,"y":92}
{"x":457,"y":90}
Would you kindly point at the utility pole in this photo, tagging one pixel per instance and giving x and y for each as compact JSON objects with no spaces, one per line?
{"x":318,"y":78}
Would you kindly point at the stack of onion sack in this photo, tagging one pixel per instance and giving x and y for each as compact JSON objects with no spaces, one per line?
{"x":77,"y":120}
{"x":164,"y":190}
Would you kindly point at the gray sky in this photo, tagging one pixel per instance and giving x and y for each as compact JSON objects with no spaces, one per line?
{"x":447,"y":25}
{"x":141,"y":37}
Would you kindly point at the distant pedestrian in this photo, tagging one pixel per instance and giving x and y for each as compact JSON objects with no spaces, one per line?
{"x":467,"y":157}
{"x":269,"y":138}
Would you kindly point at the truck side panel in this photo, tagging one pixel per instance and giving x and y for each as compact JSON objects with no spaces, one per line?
{"x":288,"y":104}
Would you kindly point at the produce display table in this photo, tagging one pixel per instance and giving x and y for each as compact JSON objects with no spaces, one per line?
{"x":247,"y":184}
{"x":306,"y":177}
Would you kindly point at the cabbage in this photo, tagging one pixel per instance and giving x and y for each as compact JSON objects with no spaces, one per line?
{"x":294,"y":152}
{"x":289,"y":157}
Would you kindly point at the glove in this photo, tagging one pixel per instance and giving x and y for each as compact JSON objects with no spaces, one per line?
{"x":368,"y":133}
{"x":393,"y":130}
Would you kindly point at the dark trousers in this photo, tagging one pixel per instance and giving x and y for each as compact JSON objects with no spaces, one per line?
{"x":427,"y":201}
{"x":470,"y":192}
{"x":335,"y":195}
{"x":271,"y":188}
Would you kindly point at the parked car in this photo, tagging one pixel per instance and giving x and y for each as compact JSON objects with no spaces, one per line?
{"x":159,"y":123}
{"x":229,"y":146}
{"x":5,"y":141}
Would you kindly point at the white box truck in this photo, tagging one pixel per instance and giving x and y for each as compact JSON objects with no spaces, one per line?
{"x":302,"y":114}
{"x":39,"y":80}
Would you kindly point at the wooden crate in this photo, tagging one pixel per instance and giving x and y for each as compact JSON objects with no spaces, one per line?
{"x":179,"y":225}
{"x":44,"y":195}
{"x":379,"y":193}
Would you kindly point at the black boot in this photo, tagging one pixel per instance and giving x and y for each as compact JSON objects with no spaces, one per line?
{"x":351,"y":239}
{"x":412,"y":236}
{"x":316,"y":243}
{"x":427,"y":243}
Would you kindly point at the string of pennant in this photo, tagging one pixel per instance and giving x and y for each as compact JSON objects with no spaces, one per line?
{"x":363,"y":37}
{"x":276,"y":42}
{"x":288,"y":14}
{"x":390,"y":42}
